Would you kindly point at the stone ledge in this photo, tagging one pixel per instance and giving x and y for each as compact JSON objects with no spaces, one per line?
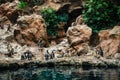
{"x":83,"y":61}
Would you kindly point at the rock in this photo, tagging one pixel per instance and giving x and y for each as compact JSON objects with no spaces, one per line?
{"x":84,"y":61}
{"x":110,"y":41}
{"x":79,"y":21}
{"x":92,"y":51}
{"x":104,"y":34}
{"x":73,"y":4}
{"x":78,"y":34}
{"x":10,"y":10}
{"x":60,"y":50}
{"x":81,"y":49}
{"x":31,"y":30}
{"x":5,"y":24}
{"x":6,"y":36}
{"x":117,"y":56}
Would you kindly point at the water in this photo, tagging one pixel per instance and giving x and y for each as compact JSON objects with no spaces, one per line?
{"x":61,"y":73}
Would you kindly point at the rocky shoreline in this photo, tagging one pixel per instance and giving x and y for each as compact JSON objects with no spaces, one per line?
{"x":83,"y":61}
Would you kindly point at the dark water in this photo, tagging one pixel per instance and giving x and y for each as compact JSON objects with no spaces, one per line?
{"x":63,"y":73}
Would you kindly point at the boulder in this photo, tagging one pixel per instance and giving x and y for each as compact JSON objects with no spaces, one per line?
{"x":78,"y":34}
{"x":110,"y":41}
{"x":117,"y":56}
{"x":31,"y":30}
{"x":79,"y":21}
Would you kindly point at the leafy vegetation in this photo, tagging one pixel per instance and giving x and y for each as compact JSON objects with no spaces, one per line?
{"x":52,"y":19}
{"x":100,"y":14}
{"x":22,"y":5}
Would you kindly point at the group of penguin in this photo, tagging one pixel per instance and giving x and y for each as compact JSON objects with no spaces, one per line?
{"x":28,"y":55}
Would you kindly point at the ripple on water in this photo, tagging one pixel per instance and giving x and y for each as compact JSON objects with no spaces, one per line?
{"x":61,"y":73}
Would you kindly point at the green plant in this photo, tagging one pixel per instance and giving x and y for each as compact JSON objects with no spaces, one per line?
{"x":22,"y":5}
{"x":52,"y":19}
{"x":100,"y":14}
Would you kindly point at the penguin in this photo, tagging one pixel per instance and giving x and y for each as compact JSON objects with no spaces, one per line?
{"x":52,"y":55}
{"x":100,"y":51}
{"x":47,"y":55}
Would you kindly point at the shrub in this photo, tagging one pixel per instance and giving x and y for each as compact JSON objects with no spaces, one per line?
{"x":22,"y":5}
{"x":52,"y":19}
{"x":100,"y":14}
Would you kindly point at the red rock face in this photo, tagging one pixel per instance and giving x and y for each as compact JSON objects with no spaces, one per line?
{"x":31,"y":29}
{"x":110,"y":41}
